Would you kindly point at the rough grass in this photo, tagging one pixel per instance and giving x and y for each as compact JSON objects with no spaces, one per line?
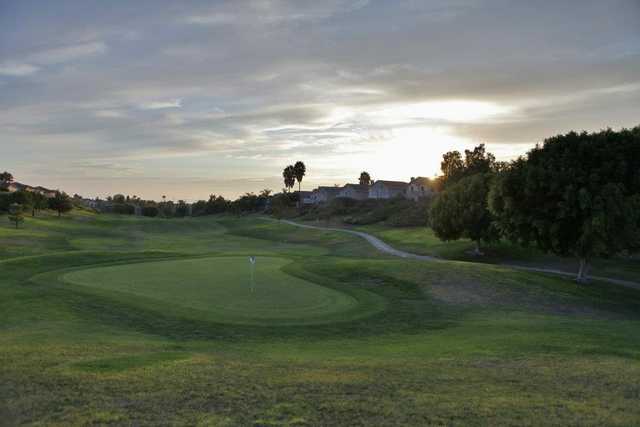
{"x":454,"y":344}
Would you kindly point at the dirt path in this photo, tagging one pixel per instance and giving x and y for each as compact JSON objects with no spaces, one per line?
{"x":386,"y":248}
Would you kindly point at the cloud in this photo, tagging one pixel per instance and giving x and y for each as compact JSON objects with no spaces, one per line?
{"x":68,"y":53}
{"x":274,"y":12}
{"x":109,"y":114}
{"x":159,"y":105}
{"x":241,"y":87}
{"x":17,"y":69}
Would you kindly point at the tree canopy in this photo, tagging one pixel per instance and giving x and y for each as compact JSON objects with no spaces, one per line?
{"x":461,"y":211}
{"x":60,"y":202}
{"x":288,"y":176}
{"x":365,"y":178}
{"x":577,"y":194}
{"x":299,"y":171}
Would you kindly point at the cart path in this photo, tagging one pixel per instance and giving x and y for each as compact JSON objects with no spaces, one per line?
{"x":388,"y":249}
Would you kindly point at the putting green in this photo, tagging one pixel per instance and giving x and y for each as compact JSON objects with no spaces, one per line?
{"x":220,"y":289}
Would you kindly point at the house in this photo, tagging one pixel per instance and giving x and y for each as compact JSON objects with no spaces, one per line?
{"x":306,"y":197}
{"x":419,"y":188}
{"x":326,"y":194}
{"x":354,"y":191}
{"x":16,"y":186}
{"x":387,"y":189}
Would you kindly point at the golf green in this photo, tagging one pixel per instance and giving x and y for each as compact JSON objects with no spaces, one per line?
{"x":221,"y":289}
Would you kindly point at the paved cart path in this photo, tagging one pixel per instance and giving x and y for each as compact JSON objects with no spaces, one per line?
{"x":388,"y":249}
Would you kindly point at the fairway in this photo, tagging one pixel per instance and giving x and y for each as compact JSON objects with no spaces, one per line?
{"x":220,"y":289}
{"x":120,"y":320}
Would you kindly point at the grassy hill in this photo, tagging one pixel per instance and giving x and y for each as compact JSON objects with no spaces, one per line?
{"x":124,"y":320}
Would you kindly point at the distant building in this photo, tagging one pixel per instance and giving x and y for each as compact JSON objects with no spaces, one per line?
{"x":16,"y":186}
{"x":354,"y":191}
{"x":306,"y":197}
{"x":419,"y":188}
{"x":326,"y":194}
{"x":387,"y":189}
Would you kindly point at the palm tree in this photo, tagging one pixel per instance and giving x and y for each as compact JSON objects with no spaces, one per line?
{"x":365,"y":178}
{"x":299,"y":170}
{"x":289,"y":177}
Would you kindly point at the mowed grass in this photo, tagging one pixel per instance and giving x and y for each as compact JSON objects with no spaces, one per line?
{"x":117,"y":320}
{"x":224,"y":289}
{"x":423,"y":241}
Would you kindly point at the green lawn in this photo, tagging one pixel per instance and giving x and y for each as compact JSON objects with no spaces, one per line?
{"x":422,"y":240}
{"x":133,"y":321}
{"x":220,"y":289}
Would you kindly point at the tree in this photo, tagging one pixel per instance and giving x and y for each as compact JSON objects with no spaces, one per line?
{"x":289,"y":177}
{"x":119,"y":198}
{"x":578,"y":194}
{"x":60,"y":202}
{"x":40,"y":202}
{"x":299,"y":171}
{"x":452,"y":166}
{"x":365,"y":178}
{"x":266,"y":193}
{"x":478,"y":161}
{"x":182,"y":209}
{"x":16,"y":214}
{"x":461,"y":211}
{"x":24,"y":198}
{"x":150,"y":211}
{"x":475,"y":161}
{"x":5,"y":179}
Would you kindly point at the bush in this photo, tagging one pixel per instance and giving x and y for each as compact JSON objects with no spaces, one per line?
{"x":123,"y":209}
{"x":150,"y":211}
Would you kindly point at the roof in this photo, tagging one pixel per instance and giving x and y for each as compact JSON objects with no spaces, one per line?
{"x":330,"y":189}
{"x":357,"y":187}
{"x":421,"y":180}
{"x":392,"y":184}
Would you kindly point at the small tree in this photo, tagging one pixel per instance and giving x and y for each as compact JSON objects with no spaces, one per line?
{"x":16,"y":214}
{"x":365,"y":178}
{"x":40,"y":202}
{"x":60,"y":202}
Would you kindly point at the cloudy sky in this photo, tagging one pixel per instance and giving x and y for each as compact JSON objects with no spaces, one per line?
{"x":196,"y":97}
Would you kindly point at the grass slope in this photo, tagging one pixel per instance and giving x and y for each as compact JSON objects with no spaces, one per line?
{"x":450,"y":343}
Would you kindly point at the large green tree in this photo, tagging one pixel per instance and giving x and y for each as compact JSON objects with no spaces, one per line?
{"x":454,"y":167}
{"x":578,"y":194}
{"x":60,"y":202}
{"x":460,"y":211}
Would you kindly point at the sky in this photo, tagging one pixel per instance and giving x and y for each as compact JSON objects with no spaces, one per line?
{"x":189,"y":98}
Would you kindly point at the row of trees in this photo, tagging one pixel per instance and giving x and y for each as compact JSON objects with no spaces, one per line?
{"x":577,"y":194}
{"x":18,"y":203}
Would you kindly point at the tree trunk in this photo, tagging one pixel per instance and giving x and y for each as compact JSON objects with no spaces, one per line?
{"x":582,"y":271}
{"x":33,"y":212}
{"x":59,"y":214}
